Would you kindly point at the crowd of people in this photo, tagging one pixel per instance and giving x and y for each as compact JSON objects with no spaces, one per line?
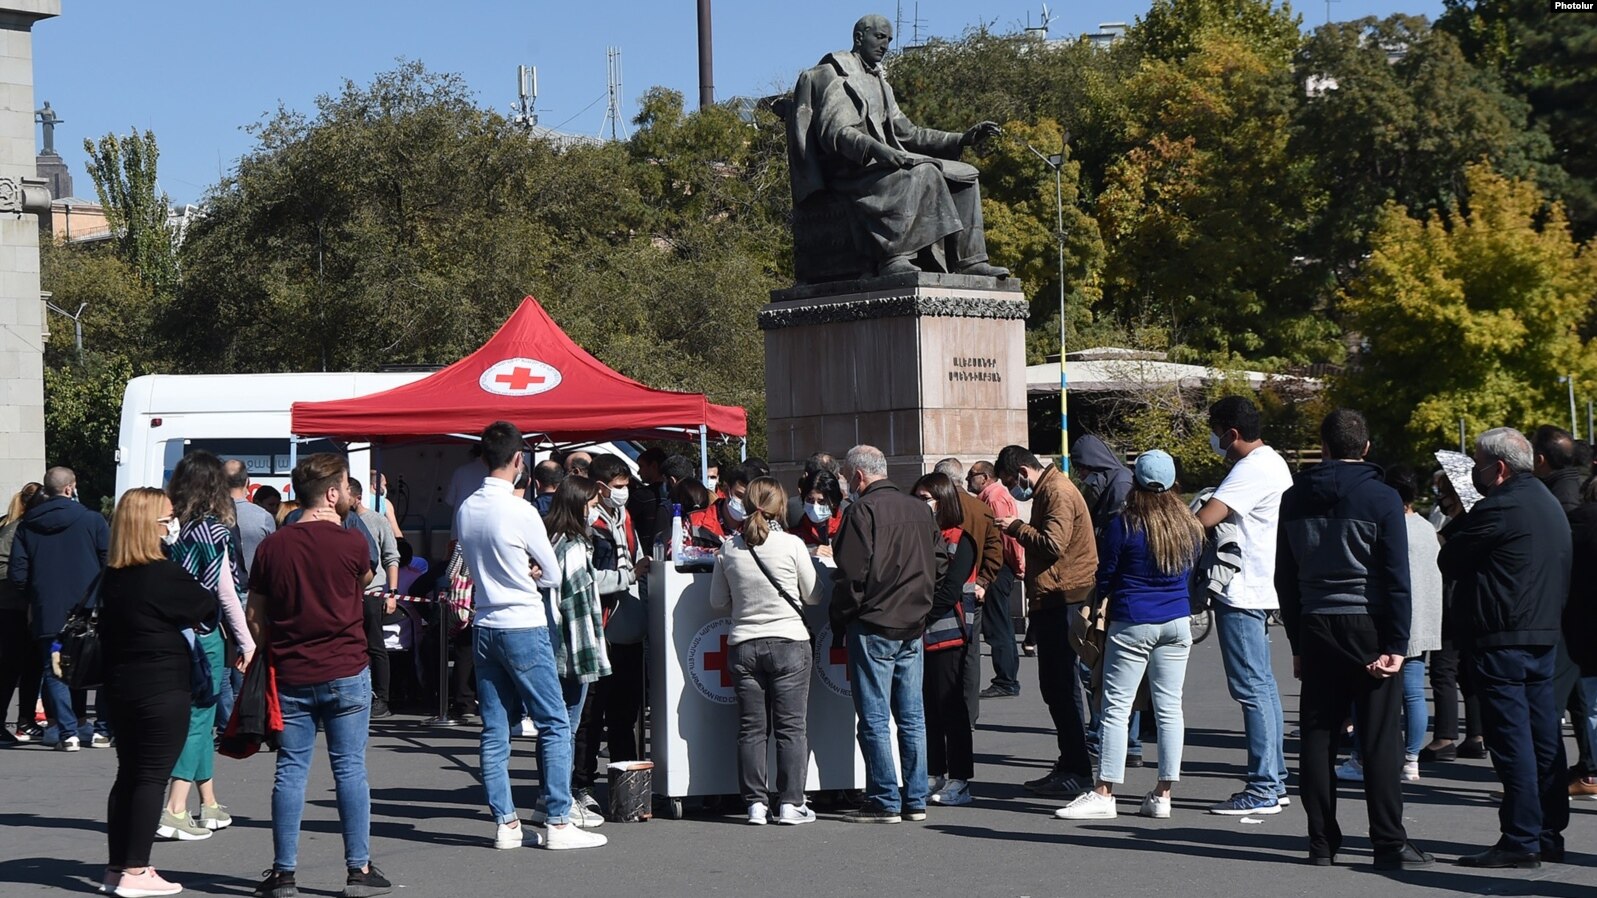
{"x":197,"y":582}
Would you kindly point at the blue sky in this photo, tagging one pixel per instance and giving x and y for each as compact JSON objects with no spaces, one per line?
{"x":196,"y":71}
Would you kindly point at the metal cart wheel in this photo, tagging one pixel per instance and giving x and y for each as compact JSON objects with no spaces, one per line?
{"x":673,"y":809}
{"x":1202,"y":626}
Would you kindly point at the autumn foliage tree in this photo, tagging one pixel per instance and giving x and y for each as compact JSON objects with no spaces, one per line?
{"x":1473,"y":315}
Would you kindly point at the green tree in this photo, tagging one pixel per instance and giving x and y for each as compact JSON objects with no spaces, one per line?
{"x":1173,"y":30}
{"x":1202,"y":216}
{"x":124,"y":173}
{"x":1393,"y":111}
{"x":1551,"y":61}
{"x":1471,"y":315}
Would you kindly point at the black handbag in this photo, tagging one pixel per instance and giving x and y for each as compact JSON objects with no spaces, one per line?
{"x":79,"y":657}
{"x":202,"y":687}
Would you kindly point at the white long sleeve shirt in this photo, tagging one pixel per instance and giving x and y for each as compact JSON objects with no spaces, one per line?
{"x":502,"y":537}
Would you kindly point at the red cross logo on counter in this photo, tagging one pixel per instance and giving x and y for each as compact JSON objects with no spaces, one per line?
{"x":839,"y":656}
{"x":519,"y":379}
{"x":718,"y":662}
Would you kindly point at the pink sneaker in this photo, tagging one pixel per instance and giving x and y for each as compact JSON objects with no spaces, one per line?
{"x":145,"y":884}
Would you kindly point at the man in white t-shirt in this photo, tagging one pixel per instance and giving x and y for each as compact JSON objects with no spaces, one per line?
{"x":1250,"y":499}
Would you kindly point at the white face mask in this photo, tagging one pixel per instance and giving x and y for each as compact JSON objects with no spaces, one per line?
{"x":173,"y":528}
{"x":817,"y":512}
{"x":710,"y":483}
{"x":734,"y":507}
{"x":617,"y":499}
{"x":1214,"y":443}
{"x":593,"y":516}
{"x":932,"y":504}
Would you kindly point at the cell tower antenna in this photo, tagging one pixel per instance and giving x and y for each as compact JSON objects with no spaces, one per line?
{"x":613,"y":120}
{"x":1328,"y":10}
{"x":527,"y":92}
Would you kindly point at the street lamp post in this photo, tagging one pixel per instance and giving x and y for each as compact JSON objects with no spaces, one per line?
{"x":77,"y":323}
{"x":1056,"y":162}
{"x":1574,"y":427}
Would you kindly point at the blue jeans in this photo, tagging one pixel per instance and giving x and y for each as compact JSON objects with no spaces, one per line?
{"x":1245,"y":653}
{"x":887,"y":676}
{"x":516,"y":670}
{"x":343,"y":709}
{"x":1160,"y":651}
{"x":64,"y":721}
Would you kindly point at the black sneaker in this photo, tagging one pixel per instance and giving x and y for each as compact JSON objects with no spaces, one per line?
{"x":380,"y":709}
{"x":29,"y":732}
{"x":1471,"y":748}
{"x":361,"y":884}
{"x":277,"y":884}
{"x":1034,"y":785}
{"x":999,"y":692}
{"x":914,"y":815}
{"x":1064,"y":785}
{"x":872,"y":813}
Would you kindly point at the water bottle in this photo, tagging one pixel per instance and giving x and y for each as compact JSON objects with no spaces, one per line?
{"x":678,"y":532}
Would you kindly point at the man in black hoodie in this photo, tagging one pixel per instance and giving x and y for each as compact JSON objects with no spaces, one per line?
{"x":1510,"y":556}
{"x":1343,"y":578}
{"x":58,"y":552}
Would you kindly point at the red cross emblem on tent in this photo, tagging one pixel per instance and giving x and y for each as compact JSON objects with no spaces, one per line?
{"x":709,"y":662}
{"x":519,"y":377}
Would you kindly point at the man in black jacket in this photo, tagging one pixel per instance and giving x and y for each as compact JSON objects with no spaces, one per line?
{"x":886,"y":573}
{"x":58,"y":552}
{"x":1560,"y":465}
{"x":1343,"y":577}
{"x":1510,"y":556}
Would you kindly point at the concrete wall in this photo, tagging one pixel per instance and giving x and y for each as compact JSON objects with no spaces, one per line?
{"x":21,"y":311}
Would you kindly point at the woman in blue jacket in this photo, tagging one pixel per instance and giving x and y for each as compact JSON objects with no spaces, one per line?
{"x":1147,"y":554}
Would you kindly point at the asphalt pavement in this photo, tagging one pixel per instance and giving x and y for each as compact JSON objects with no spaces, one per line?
{"x":432,"y":834}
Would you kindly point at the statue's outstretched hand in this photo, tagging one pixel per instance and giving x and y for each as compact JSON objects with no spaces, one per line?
{"x":980,"y":132}
{"x":895,"y":157}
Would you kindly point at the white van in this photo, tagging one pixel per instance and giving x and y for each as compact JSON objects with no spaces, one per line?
{"x":246,"y":416}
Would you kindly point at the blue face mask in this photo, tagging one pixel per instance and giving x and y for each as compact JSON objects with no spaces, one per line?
{"x":1022,"y":491}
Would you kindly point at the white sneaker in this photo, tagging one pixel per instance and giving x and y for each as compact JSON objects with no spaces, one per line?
{"x":525,"y":728}
{"x":70,"y":743}
{"x":582,"y":815}
{"x":794,"y":816}
{"x":759,"y":813}
{"x":1089,"y":806}
{"x":1351,"y":771}
{"x":568,"y":837}
{"x":1284,"y":800}
{"x":952,"y":794}
{"x":508,"y":836}
{"x":100,"y":740}
{"x":1154,"y":806}
{"x":1411,"y":771}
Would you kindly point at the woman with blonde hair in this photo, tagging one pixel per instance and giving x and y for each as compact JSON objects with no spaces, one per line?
{"x":146,"y":602}
{"x":765,"y":578}
{"x":20,"y":670}
{"x":203,"y":508}
{"x":1147,"y":554}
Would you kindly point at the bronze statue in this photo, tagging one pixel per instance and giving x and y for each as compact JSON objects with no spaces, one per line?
{"x":906,"y":188}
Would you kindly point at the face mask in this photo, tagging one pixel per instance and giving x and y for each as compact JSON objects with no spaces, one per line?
{"x":1214,"y":443}
{"x":1022,"y":490}
{"x":932,"y":504}
{"x":817,"y":512}
{"x":593,"y":516}
{"x":1482,"y":478}
{"x":617,"y":499}
{"x":173,"y":528}
{"x":73,"y":497}
{"x":734,"y":508}
{"x":711,"y":483}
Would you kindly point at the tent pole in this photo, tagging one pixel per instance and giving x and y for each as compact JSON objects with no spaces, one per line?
{"x":743,"y":449}
{"x":704,"y":454}
{"x":293,"y":460}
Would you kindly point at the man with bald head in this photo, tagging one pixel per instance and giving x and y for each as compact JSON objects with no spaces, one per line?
{"x":846,"y":134}
{"x":254,"y":522}
{"x":57,"y":555}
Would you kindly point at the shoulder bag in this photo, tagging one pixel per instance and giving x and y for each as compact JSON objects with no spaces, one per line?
{"x":787,"y":596}
{"x":79,"y":660}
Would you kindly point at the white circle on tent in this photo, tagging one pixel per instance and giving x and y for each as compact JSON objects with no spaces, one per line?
{"x":710,"y":662}
{"x":519,"y":377}
{"x":831,"y":664}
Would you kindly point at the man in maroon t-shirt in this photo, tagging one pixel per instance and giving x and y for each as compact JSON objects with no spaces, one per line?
{"x":305,"y":608}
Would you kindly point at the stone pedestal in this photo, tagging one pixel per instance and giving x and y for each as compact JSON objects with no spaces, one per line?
{"x":920,"y":366}
{"x":21,"y":309}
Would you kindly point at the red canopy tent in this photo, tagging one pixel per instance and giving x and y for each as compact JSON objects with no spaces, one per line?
{"x":534,"y":376}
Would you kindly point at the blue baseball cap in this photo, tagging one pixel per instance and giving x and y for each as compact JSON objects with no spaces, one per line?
{"x":1155,"y":471}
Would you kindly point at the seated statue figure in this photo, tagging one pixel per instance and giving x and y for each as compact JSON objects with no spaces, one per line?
{"x":906,"y":184}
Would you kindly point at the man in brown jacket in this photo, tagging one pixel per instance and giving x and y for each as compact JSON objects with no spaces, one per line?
{"x":1061,"y":569}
